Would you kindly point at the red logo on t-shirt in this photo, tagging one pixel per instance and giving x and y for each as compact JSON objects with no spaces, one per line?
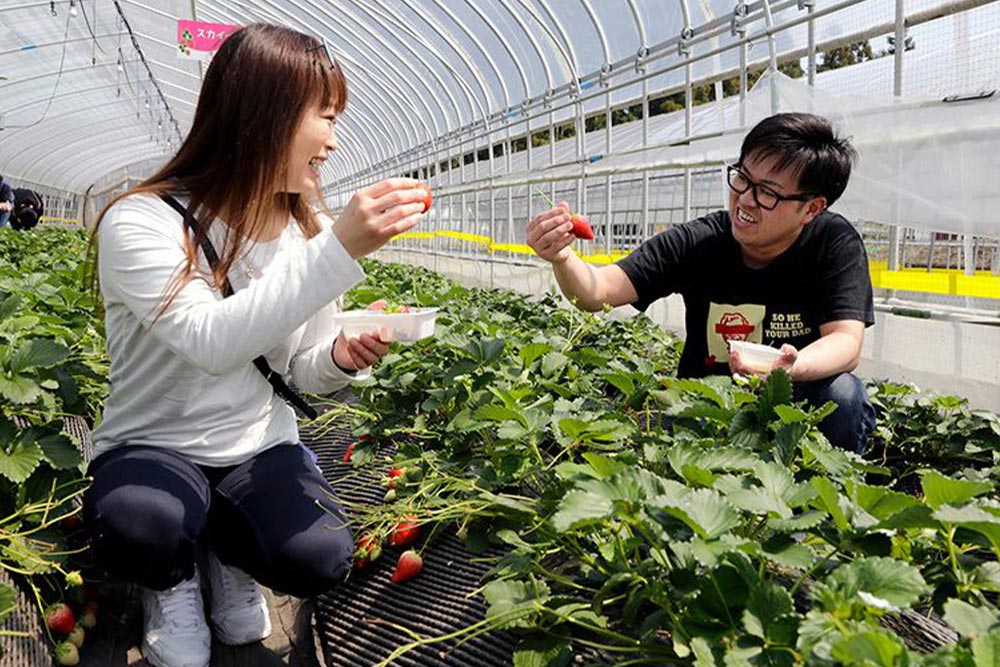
{"x":733,"y":326}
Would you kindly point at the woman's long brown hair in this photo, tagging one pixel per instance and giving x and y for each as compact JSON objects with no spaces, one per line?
{"x":234,"y":161}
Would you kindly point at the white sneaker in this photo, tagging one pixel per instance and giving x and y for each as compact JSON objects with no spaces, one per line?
{"x":238,"y":608}
{"x":175,"y":633}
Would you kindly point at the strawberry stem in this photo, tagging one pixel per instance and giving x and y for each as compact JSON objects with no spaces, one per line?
{"x":547,"y":198}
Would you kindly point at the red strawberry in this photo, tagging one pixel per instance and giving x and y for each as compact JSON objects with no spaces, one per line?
{"x":410,"y":564}
{"x":428,"y":196}
{"x":394,"y":475}
{"x":581,"y":227}
{"x":367,"y":551}
{"x":67,"y":654}
{"x":59,"y":618}
{"x":350,"y":447}
{"x":71,"y":522}
{"x":406,"y":532}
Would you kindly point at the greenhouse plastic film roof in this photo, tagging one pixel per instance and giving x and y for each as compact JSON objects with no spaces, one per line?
{"x":98,"y":85}
{"x":92,"y":86}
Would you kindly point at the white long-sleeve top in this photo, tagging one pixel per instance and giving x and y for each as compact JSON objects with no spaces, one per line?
{"x":184,"y":378}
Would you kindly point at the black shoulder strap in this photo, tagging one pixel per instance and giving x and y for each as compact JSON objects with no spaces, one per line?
{"x":274,"y":378}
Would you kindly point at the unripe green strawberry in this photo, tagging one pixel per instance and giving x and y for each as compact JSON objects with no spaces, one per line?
{"x":76,"y":636}
{"x":67,"y":654}
{"x":74,"y":579}
{"x":87,"y":620}
{"x":390,"y":495}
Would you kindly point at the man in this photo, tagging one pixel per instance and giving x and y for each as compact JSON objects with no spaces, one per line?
{"x":28,"y":208}
{"x":776,"y":268}
{"x":6,"y":202}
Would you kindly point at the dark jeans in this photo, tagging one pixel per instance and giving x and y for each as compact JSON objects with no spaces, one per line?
{"x":849,"y":426}
{"x":149,"y":510}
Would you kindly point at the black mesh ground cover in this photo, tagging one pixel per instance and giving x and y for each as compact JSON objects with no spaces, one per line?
{"x":362,"y":622}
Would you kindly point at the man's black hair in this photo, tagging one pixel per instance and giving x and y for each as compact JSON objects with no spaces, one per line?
{"x":808,"y":145}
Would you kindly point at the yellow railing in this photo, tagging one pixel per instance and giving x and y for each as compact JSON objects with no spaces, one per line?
{"x":937,"y":281}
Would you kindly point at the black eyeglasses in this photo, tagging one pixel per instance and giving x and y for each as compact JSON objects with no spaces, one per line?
{"x":331,"y":61}
{"x":765,"y":196}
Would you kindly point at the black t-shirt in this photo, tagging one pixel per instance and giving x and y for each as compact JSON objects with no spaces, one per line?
{"x":822,"y":277}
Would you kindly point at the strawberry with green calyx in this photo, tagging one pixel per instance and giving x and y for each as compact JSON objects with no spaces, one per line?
{"x":350,"y":448}
{"x":394,"y":477}
{"x":409,"y":565}
{"x":88,"y":619}
{"x":582,"y":228}
{"x":76,"y":636}
{"x":59,"y":618}
{"x":388,"y":307}
{"x":406,"y":532}
{"x":368,"y":549}
{"x":67,"y":654}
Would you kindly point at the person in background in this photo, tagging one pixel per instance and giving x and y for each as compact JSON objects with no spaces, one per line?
{"x":777,"y":267}
{"x":28,"y":209}
{"x":6,"y":202}
{"x":199,"y":479}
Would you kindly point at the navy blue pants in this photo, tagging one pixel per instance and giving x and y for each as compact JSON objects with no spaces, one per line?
{"x":849,"y":426}
{"x":149,"y":510}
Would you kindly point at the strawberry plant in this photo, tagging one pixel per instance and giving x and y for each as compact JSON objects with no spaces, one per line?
{"x":663,"y":520}
{"x":52,"y":366}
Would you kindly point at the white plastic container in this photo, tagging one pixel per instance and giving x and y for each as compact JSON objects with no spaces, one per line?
{"x":414,"y":325}
{"x":755,"y":356}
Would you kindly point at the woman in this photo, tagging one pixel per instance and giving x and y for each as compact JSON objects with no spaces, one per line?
{"x":198,"y":470}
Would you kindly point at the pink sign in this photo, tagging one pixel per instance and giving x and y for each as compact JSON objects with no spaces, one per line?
{"x":200,"y":39}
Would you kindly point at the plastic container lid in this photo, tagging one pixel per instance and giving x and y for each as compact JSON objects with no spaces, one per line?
{"x":755,"y":356}
{"x":414,"y":325}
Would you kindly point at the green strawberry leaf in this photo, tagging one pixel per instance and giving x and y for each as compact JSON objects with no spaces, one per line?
{"x":38,"y":353}
{"x":60,"y":451}
{"x":705,"y":511}
{"x":879,"y":580}
{"x":940,"y":490}
{"x":543,"y":652}
{"x":19,"y":389}
{"x":580,"y":508}
{"x":513,"y":603}
{"x":967,"y":620}
{"x":986,"y":649}
{"x":20,"y":459}
{"x":869,"y":649}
